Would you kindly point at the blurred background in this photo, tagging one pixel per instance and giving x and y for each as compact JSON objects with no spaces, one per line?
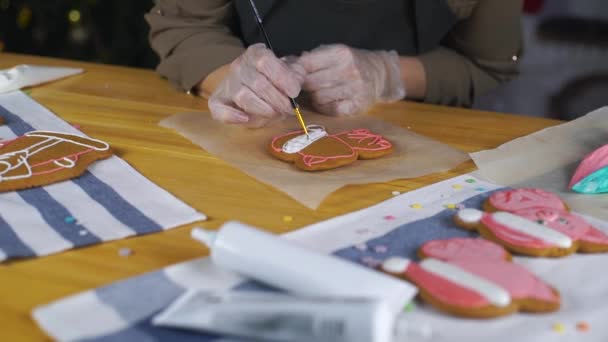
{"x":564,"y":68}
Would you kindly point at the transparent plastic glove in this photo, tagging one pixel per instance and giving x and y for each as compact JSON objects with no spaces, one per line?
{"x":256,"y":90}
{"x":347,"y":81}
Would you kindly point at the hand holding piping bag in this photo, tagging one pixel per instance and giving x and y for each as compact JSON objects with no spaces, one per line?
{"x":347,"y":81}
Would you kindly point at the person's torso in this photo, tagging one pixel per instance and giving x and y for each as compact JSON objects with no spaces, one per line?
{"x":410,"y":27}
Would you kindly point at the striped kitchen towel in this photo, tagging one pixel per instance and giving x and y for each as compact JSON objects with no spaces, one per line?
{"x":109,"y":201}
{"x":397,"y":227}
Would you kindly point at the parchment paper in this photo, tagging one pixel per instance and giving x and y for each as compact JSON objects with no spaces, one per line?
{"x":246,"y":149}
{"x":547,"y":159}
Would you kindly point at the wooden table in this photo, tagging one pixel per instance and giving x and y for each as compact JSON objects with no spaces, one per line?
{"x":123,"y":106}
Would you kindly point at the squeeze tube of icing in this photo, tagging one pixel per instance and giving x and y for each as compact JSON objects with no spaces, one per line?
{"x":282,"y":264}
{"x":278,"y":317}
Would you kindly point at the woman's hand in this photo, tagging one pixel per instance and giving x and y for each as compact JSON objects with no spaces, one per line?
{"x":256,"y":89}
{"x":347,"y":81}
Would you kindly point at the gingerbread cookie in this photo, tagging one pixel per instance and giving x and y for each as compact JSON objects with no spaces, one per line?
{"x":40,"y":158}
{"x":536,"y":231}
{"x":591,"y":176}
{"x":473,"y":278}
{"x":322,"y":151}
{"x":523,"y":198}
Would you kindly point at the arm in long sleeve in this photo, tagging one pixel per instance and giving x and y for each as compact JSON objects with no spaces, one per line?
{"x":193,"y":38}
{"x":479,"y":54}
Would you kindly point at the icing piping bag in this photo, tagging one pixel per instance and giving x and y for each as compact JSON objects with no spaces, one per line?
{"x":294,"y":104}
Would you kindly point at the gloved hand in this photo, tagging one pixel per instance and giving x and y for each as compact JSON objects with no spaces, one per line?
{"x":256,"y":90}
{"x":346,"y":81}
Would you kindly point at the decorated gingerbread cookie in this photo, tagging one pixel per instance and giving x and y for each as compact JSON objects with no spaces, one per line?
{"x":473,"y":278}
{"x":536,"y":231}
{"x":322,"y":151}
{"x":39,"y":158}
{"x":591,"y":176}
{"x":523,"y":198}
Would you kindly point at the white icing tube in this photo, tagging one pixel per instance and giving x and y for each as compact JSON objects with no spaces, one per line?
{"x":277,"y":317}
{"x":274,"y":261}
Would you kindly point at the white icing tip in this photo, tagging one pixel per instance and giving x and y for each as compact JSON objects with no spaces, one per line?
{"x":395,"y":265}
{"x":470,"y":215}
{"x":297,"y":144}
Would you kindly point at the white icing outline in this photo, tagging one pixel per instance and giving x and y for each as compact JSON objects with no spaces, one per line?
{"x":532,"y":228}
{"x":23,"y":155}
{"x":494,"y":293}
{"x":470,"y":215}
{"x":300,"y":142}
{"x":396,"y":265}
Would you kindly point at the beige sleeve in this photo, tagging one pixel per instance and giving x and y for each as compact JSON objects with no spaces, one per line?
{"x":192,"y":38}
{"x":480,"y":53}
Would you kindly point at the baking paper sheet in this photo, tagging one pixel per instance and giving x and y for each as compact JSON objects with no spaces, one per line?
{"x":246,"y":149}
{"x":547,"y":159}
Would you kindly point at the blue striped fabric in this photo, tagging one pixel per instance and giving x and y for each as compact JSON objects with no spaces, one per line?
{"x":138,"y":299}
{"x":54,"y":213}
{"x":118,"y":206}
{"x":11,"y":244}
{"x":53,"y":218}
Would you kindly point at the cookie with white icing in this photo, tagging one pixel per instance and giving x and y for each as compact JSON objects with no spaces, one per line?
{"x":473,"y":278}
{"x":39,"y":158}
{"x":323,"y":151}
{"x":536,"y":231}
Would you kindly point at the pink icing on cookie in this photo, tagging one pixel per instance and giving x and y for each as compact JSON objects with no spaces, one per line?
{"x":374,"y":142}
{"x":595,"y":236}
{"x":516,"y":199}
{"x":445,"y":290}
{"x":517,"y":280}
{"x":563,"y":221}
{"x":511,"y":236}
{"x":481,"y":258}
{"x":591,"y":163}
{"x":463,"y":248}
{"x":567,"y":223}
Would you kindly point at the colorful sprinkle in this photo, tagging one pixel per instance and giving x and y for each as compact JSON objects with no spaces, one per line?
{"x":410,"y":307}
{"x":77,"y":126}
{"x":396,"y":193}
{"x":582,"y":326}
{"x":125,"y":252}
{"x":480,"y":189}
{"x":470,"y":180}
{"x":416,"y":206}
{"x":457,"y":186}
{"x":287,"y":218}
{"x":69,"y":219}
{"x":380,"y":249}
{"x":361,"y":247}
{"x":389,"y":217}
{"x":559,"y":328}
{"x":451,"y":206}
{"x":371,"y":262}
